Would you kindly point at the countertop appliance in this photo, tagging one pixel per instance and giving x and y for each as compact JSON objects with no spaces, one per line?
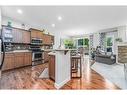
{"x":36,"y":41}
{"x":2,"y":50}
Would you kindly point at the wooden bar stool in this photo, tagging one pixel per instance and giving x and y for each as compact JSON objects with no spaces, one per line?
{"x":76,"y":67}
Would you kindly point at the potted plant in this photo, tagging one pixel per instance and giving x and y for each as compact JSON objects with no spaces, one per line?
{"x":69,"y":43}
{"x":118,"y":40}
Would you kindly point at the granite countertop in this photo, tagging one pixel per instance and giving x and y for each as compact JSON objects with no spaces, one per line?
{"x":63,"y":49}
{"x":15,"y":51}
{"x":52,"y":53}
{"x":48,"y":49}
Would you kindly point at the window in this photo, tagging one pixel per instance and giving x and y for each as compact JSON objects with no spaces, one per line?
{"x":80,"y":42}
{"x":109,"y":44}
{"x":83,"y":42}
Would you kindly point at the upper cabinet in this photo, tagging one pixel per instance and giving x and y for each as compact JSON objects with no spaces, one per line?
{"x":21,"y":36}
{"x":36,"y":33}
{"x":48,"y":39}
{"x":26,"y":37}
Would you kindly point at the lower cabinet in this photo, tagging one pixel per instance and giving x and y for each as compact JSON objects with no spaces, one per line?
{"x":28,"y":59}
{"x":46,"y":56}
{"x":19,"y":59}
{"x":9,"y":61}
{"x":52,"y":67}
{"x":16,"y":60}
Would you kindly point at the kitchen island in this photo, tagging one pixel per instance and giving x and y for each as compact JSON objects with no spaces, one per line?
{"x":59,"y":66}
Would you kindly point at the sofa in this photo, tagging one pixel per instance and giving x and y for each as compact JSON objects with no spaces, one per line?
{"x":107,"y":59}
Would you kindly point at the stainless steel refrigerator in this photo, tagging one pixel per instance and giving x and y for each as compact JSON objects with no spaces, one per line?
{"x":2,"y":54}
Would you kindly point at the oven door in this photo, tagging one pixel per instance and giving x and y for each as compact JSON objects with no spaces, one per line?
{"x":37,"y":58}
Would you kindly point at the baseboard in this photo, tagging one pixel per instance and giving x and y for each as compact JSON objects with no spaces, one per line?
{"x":58,"y":86}
{"x":122,"y":64}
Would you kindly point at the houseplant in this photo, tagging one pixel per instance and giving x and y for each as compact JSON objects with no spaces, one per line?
{"x":69,"y":43}
{"x":118,"y":40}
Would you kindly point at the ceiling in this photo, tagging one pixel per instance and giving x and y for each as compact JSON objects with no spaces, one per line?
{"x":76,"y":20}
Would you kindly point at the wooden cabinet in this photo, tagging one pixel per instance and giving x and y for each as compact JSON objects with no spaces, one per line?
{"x":17,"y":35}
{"x":16,"y":60}
{"x":39,"y":35}
{"x":47,"y":39}
{"x":33,"y":34}
{"x":19,"y":60}
{"x":26,"y":37}
{"x":46,"y":56}
{"x":36,"y":33}
{"x":9,"y":61}
{"x":28,"y":59}
{"x":52,"y":40}
{"x":20,"y":36}
{"x":14,"y":32}
{"x":23,"y":59}
{"x":52,"y":67}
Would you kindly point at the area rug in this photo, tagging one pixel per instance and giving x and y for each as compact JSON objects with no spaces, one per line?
{"x":44,"y":74}
{"x":114,"y":73}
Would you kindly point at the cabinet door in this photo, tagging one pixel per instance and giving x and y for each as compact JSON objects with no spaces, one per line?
{"x":33,"y":34}
{"x":46,"y":56}
{"x":26,"y":37}
{"x":39,"y":34}
{"x":8,"y":61}
{"x":19,"y":59}
{"x":14,"y":32}
{"x":28,"y":59}
{"x":52,"y":67}
{"x":17,"y":36}
{"x":46,"y":39}
{"x":43,"y":38}
{"x":52,"y":40}
{"x":20,"y":36}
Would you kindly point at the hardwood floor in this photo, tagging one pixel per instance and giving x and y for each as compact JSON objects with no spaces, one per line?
{"x":27,"y":78}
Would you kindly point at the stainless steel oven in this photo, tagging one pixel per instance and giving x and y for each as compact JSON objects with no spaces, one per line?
{"x":36,"y":41}
{"x":37,"y":57}
{"x":37,"y":53}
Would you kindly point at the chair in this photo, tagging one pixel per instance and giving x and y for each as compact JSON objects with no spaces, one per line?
{"x":76,"y":66}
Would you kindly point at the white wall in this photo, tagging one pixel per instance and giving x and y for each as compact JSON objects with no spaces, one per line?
{"x":18,"y":24}
{"x":96,"y":40}
{"x":62,"y":71}
{"x":15,"y":23}
{"x":114,"y":35}
{"x":122,"y":32}
{"x":59,"y":35}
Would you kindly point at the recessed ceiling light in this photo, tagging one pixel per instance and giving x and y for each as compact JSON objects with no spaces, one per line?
{"x":53,"y":25}
{"x":59,"y":18}
{"x":19,"y":11}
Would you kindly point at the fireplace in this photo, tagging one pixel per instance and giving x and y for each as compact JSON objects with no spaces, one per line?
{"x":122,"y":53}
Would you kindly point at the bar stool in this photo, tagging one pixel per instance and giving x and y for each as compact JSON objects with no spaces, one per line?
{"x":76,"y":66}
